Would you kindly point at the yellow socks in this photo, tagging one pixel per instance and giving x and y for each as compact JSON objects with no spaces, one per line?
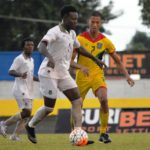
{"x":104,"y":121}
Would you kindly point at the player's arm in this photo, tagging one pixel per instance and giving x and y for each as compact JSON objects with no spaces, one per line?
{"x":42,"y":47}
{"x":122,"y":68}
{"x":14,"y":73}
{"x":83,"y":52}
{"x":17,"y":63}
{"x":75,"y":65}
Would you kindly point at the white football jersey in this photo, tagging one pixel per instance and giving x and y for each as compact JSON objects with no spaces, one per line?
{"x":23,"y":87}
{"x":60,"y":46}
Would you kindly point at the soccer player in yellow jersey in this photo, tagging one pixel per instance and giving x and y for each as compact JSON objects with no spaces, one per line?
{"x":93,"y":78}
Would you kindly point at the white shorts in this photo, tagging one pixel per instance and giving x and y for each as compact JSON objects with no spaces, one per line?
{"x":49,"y":86}
{"x":24,"y":103}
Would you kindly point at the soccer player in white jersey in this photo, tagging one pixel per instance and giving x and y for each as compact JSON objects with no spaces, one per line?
{"x":22,"y":69}
{"x":57,"y":45}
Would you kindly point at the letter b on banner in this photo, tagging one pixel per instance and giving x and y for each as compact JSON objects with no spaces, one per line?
{"x":127,"y":119}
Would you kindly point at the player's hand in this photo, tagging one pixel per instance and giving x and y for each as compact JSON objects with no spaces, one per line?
{"x":24,"y":75}
{"x":51,"y":64}
{"x":130,"y":81}
{"x":100,"y":63}
{"x":85,"y":70}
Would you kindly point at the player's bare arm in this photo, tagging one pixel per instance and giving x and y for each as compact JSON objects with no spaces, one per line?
{"x":85,"y":70}
{"x":83,"y":52}
{"x":122,"y":68}
{"x":43,"y":50}
{"x":14,"y":73}
{"x":75,"y":65}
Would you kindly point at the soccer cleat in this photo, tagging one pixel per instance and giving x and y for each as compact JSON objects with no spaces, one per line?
{"x":31,"y":134}
{"x":90,"y":142}
{"x":3,"y":128}
{"x":104,"y":138}
{"x":14,"y":137}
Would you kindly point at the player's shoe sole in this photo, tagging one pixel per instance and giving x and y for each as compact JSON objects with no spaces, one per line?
{"x":31,"y":134}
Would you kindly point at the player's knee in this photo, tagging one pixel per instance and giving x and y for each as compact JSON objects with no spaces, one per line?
{"x":25,"y":113}
{"x":49,"y":102}
{"x":48,"y":109}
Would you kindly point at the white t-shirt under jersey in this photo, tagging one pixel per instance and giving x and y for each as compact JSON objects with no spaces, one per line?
{"x":23,"y":87}
{"x":60,"y":46}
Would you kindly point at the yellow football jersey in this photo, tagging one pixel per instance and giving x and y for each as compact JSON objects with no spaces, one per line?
{"x":96,"y":47}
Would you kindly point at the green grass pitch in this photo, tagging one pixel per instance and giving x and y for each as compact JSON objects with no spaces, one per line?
{"x":138,"y":141}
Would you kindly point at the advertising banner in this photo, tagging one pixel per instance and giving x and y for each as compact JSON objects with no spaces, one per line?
{"x":120,"y":120}
{"x":135,"y":62}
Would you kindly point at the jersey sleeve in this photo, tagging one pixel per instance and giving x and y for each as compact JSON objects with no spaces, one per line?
{"x":110,"y":48}
{"x":50,"y":36}
{"x":76,"y":42}
{"x":16,"y":64}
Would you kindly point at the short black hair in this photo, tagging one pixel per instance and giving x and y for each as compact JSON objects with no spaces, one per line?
{"x":25,"y":40}
{"x":66,"y":10}
{"x":97,"y":14}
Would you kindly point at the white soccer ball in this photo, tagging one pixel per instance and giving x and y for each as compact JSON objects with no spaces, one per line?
{"x":78,"y":137}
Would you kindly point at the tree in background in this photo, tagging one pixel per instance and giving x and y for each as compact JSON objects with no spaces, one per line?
{"x":140,"y":42}
{"x":33,"y":18}
{"x":145,"y":11}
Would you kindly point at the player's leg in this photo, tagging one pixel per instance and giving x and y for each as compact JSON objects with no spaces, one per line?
{"x":8,"y":122}
{"x":99,"y":87}
{"x":19,"y":116}
{"x":101,"y":93}
{"x":82,"y":93}
{"x":41,"y":113}
{"x":83,"y":86}
{"x":19,"y":127}
{"x":26,"y":106}
{"x":48,"y":89}
{"x":69,"y":88}
{"x":74,"y":97}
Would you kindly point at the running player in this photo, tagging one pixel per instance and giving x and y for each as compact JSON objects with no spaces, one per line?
{"x":93,"y":76}
{"x":22,"y":69}
{"x":57,"y":45}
